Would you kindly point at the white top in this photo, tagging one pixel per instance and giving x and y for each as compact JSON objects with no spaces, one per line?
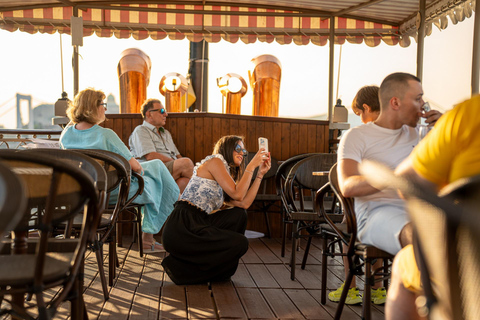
{"x":372,"y":142}
{"x":204,"y":193}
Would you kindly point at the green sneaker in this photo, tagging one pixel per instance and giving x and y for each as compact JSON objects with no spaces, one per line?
{"x":379,"y":295}
{"x":353,"y":296}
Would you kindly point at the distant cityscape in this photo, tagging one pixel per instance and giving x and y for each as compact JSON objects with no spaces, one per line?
{"x":42,"y":114}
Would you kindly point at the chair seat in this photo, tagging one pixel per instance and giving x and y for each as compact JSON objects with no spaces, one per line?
{"x":367,"y":250}
{"x":104,"y":222}
{"x":19,"y":270}
{"x":313,"y":216}
{"x":342,"y":227}
{"x":267,"y":197}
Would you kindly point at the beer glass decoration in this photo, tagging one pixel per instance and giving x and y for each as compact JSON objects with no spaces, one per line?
{"x":233,"y":87}
{"x":265,"y":83}
{"x":134,"y":75}
{"x":173,"y":86}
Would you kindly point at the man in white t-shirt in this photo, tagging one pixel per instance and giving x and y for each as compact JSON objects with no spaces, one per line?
{"x":382,"y":220}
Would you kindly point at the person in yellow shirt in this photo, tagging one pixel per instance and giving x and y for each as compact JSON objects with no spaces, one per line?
{"x":448,"y":153}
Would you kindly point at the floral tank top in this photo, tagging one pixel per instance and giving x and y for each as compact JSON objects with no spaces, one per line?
{"x":204,"y":193}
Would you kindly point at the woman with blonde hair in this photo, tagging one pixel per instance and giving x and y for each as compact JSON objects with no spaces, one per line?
{"x":205,"y":232}
{"x":86,"y":112}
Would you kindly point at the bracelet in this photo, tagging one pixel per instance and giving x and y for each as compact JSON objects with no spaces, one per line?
{"x":251,"y":172}
{"x":258,"y":177}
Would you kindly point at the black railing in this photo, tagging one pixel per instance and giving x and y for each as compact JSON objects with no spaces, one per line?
{"x":25,"y":138}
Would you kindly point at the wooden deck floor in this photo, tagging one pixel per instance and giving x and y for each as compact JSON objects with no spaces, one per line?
{"x":260,"y":289}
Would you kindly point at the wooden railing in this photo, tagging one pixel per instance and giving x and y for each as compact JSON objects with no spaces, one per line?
{"x":196,"y":133}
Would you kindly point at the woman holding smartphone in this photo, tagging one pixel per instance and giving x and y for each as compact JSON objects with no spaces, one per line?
{"x":205,"y":232}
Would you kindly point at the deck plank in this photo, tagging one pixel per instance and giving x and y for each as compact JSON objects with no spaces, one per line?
{"x":173,"y":301}
{"x":262,"y":276}
{"x":121,"y":296}
{"x":227,"y":301}
{"x":255,"y":305}
{"x":147,"y":296}
{"x":281,"y":274}
{"x":200,"y":303}
{"x":281,"y":304}
{"x":251,"y":257}
{"x":263,"y":251}
{"x":331,"y":307}
{"x":307,"y":305}
{"x":242,"y":278}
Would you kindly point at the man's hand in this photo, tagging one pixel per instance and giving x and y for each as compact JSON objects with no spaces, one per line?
{"x":431,"y":117}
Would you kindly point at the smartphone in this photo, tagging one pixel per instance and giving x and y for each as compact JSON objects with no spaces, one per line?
{"x":263,"y":143}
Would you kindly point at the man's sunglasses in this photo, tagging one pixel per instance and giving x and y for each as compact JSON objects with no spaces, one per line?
{"x":162,"y":110}
{"x":239,"y":149}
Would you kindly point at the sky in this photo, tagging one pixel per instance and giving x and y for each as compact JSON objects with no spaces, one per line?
{"x":31,"y":64}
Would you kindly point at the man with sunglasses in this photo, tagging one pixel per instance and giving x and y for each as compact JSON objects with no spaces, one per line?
{"x":151,"y":140}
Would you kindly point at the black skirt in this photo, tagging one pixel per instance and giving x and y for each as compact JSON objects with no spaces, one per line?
{"x":202,"y":247}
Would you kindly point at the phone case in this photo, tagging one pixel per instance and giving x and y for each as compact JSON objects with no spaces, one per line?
{"x":263,"y":143}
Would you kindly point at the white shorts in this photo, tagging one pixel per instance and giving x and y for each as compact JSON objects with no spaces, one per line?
{"x":381,"y":225}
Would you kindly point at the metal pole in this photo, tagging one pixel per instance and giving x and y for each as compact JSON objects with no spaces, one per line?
{"x":476,"y":51}
{"x":198,"y":71}
{"x":75,"y":61}
{"x":330,"y":69}
{"x":421,"y":39}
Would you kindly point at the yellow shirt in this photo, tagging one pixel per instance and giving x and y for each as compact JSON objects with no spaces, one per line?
{"x":451,"y":150}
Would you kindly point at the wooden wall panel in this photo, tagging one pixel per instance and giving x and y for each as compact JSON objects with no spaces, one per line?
{"x":312,"y":138}
{"x":199,"y":142}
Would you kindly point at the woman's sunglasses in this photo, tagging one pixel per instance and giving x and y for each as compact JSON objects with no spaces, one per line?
{"x":239,"y":149}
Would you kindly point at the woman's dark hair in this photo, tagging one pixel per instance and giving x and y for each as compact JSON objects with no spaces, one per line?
{"x":225,"y":146}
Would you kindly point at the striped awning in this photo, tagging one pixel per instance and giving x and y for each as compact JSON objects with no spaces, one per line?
{"x":266,"y":21}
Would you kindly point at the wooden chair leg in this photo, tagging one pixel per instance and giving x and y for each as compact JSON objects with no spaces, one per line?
{"x":305,"y":255}
{"x":267,"y":221}
{"x":78,"y":309}
{"x":112,"y":263}
{"x":385,"y":271}
{"x":139,"y":231}
{"x":346,"y":287}
{"x":294,"y":249}
{"x":284,"y":234}
{"x":324,"y":271}
{"x":101,"y":273}
{"x":367,"y":293}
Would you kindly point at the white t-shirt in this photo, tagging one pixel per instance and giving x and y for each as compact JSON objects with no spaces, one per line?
{"x":372,"y":142}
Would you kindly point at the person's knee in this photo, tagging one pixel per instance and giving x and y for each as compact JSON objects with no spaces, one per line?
{"x":406,"y":235}
{"x":184,"y":166}
{"x":182,"y":183}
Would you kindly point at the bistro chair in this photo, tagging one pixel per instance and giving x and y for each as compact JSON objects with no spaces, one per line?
{"x":301,"y":184}
{"x":358,"y":255}
{"x":446,"y":241}
{"x":118,"y":176}
{"x":263,"y":200}
{"x":57,"y":192}
{"x":12,"y":201}
{"x":280,"y":177}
